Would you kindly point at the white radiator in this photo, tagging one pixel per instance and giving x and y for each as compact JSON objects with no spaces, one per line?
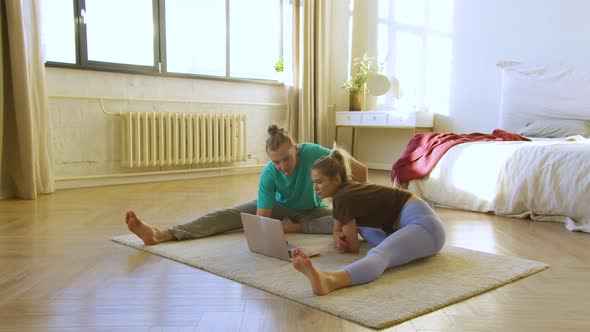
{"x":156,"y":139}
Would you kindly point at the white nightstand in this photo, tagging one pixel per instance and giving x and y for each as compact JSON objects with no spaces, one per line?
{"x":406,"y":122}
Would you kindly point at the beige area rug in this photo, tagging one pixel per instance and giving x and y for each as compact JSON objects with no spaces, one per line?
{"x":399,"y":294}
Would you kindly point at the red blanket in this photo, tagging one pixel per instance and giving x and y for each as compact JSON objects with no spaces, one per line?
{"x":425,"y":150}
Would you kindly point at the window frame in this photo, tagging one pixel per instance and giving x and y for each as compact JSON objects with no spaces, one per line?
{"x":160,"y":60}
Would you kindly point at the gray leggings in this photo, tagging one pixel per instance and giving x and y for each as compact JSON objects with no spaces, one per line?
{"x":420,"y":234}
{"x":315,"y":221}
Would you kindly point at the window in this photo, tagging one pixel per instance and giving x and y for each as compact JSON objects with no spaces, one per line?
{"x":415,"y":46}
{"x":124,"y":35}
{"x":59,"y":30}
{"x":227,"y":39}
{"x":252,"y":38}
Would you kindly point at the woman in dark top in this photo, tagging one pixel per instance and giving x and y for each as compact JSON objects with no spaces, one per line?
{"x":401,"y":226}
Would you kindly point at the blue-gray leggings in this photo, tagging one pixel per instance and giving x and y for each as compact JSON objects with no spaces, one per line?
{"x":420,"y":234}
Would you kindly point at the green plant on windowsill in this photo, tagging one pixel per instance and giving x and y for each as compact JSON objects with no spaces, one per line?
{"x":279,"y":66}
{"x":363,"y":69}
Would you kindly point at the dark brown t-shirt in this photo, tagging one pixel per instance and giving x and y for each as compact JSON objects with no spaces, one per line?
{"x":370,"y":204}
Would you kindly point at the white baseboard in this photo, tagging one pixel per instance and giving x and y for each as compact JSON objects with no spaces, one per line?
{"x":116,"y":179}
{"x":381,"y":166}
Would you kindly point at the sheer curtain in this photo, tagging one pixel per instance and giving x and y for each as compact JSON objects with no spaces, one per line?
{"x":307,"y":55}
{"x":25,"y":130}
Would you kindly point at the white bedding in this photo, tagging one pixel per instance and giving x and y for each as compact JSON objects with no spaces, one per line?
{"x":548,"y":180}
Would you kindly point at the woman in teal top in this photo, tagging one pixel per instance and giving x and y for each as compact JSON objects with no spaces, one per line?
{"x":285,"y":192}
{"x":294,"y":189}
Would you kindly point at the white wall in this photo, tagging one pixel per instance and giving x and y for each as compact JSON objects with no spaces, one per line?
{"x":486,"y":31}
{"x":86,"y":140}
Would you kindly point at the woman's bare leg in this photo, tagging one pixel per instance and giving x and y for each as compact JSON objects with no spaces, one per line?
{"x":322,"y":282}
{"x":148,"y":234}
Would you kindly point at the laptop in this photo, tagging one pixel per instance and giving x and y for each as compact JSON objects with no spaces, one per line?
{"x":265,"y":236}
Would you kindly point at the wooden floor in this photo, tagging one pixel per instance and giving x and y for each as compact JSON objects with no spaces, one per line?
{"x":60,"y":271}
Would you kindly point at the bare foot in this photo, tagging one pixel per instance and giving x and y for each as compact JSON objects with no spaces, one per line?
{"x":148,"y":234}
{"x":290,"y":227}
{"x":320,"y":281}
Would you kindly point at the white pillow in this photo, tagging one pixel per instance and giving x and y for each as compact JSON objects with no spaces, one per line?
{"x":556,"y":128}
{"x":542,"y":92}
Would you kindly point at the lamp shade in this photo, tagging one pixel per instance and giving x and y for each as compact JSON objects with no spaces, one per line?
{"x":378,"y":85}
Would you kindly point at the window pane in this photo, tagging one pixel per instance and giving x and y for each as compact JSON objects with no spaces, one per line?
{"x":408,"y":57}
{"x":382,"y":55}
{"x":383,"y":8}
{"x":195,"y":37}
{"x":441,"y":15}
{"x":383,"y":45}
{"x":410,"y":12}
{"x":120,"y":31}
{"x":438,"y":74}
{"x":59,"y":30}
{"x":254,"y":38}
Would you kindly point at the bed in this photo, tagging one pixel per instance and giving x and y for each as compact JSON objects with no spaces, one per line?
{"x":545,"y":179}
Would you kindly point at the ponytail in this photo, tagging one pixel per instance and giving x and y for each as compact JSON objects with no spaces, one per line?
{"x":337,"y":163}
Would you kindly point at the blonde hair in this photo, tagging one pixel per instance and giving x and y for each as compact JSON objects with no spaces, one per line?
{"x":277,"y":137}
{"x":337,"y":163}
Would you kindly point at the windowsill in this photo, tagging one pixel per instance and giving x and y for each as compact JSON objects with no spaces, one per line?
{"x":151,"y":73}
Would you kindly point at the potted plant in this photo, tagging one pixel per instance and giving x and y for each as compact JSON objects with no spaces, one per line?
{"x":363,"y":69}
{"x":279,"y":67}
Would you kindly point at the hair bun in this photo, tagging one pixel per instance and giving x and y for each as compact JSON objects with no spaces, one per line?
{"x":273,"y":129}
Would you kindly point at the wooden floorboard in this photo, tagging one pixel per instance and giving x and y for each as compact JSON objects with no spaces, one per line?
{"x":61,"y":272}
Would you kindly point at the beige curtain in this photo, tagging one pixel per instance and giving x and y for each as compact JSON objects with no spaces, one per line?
{"x":307,"y":71}
{"x":27,"y":166}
